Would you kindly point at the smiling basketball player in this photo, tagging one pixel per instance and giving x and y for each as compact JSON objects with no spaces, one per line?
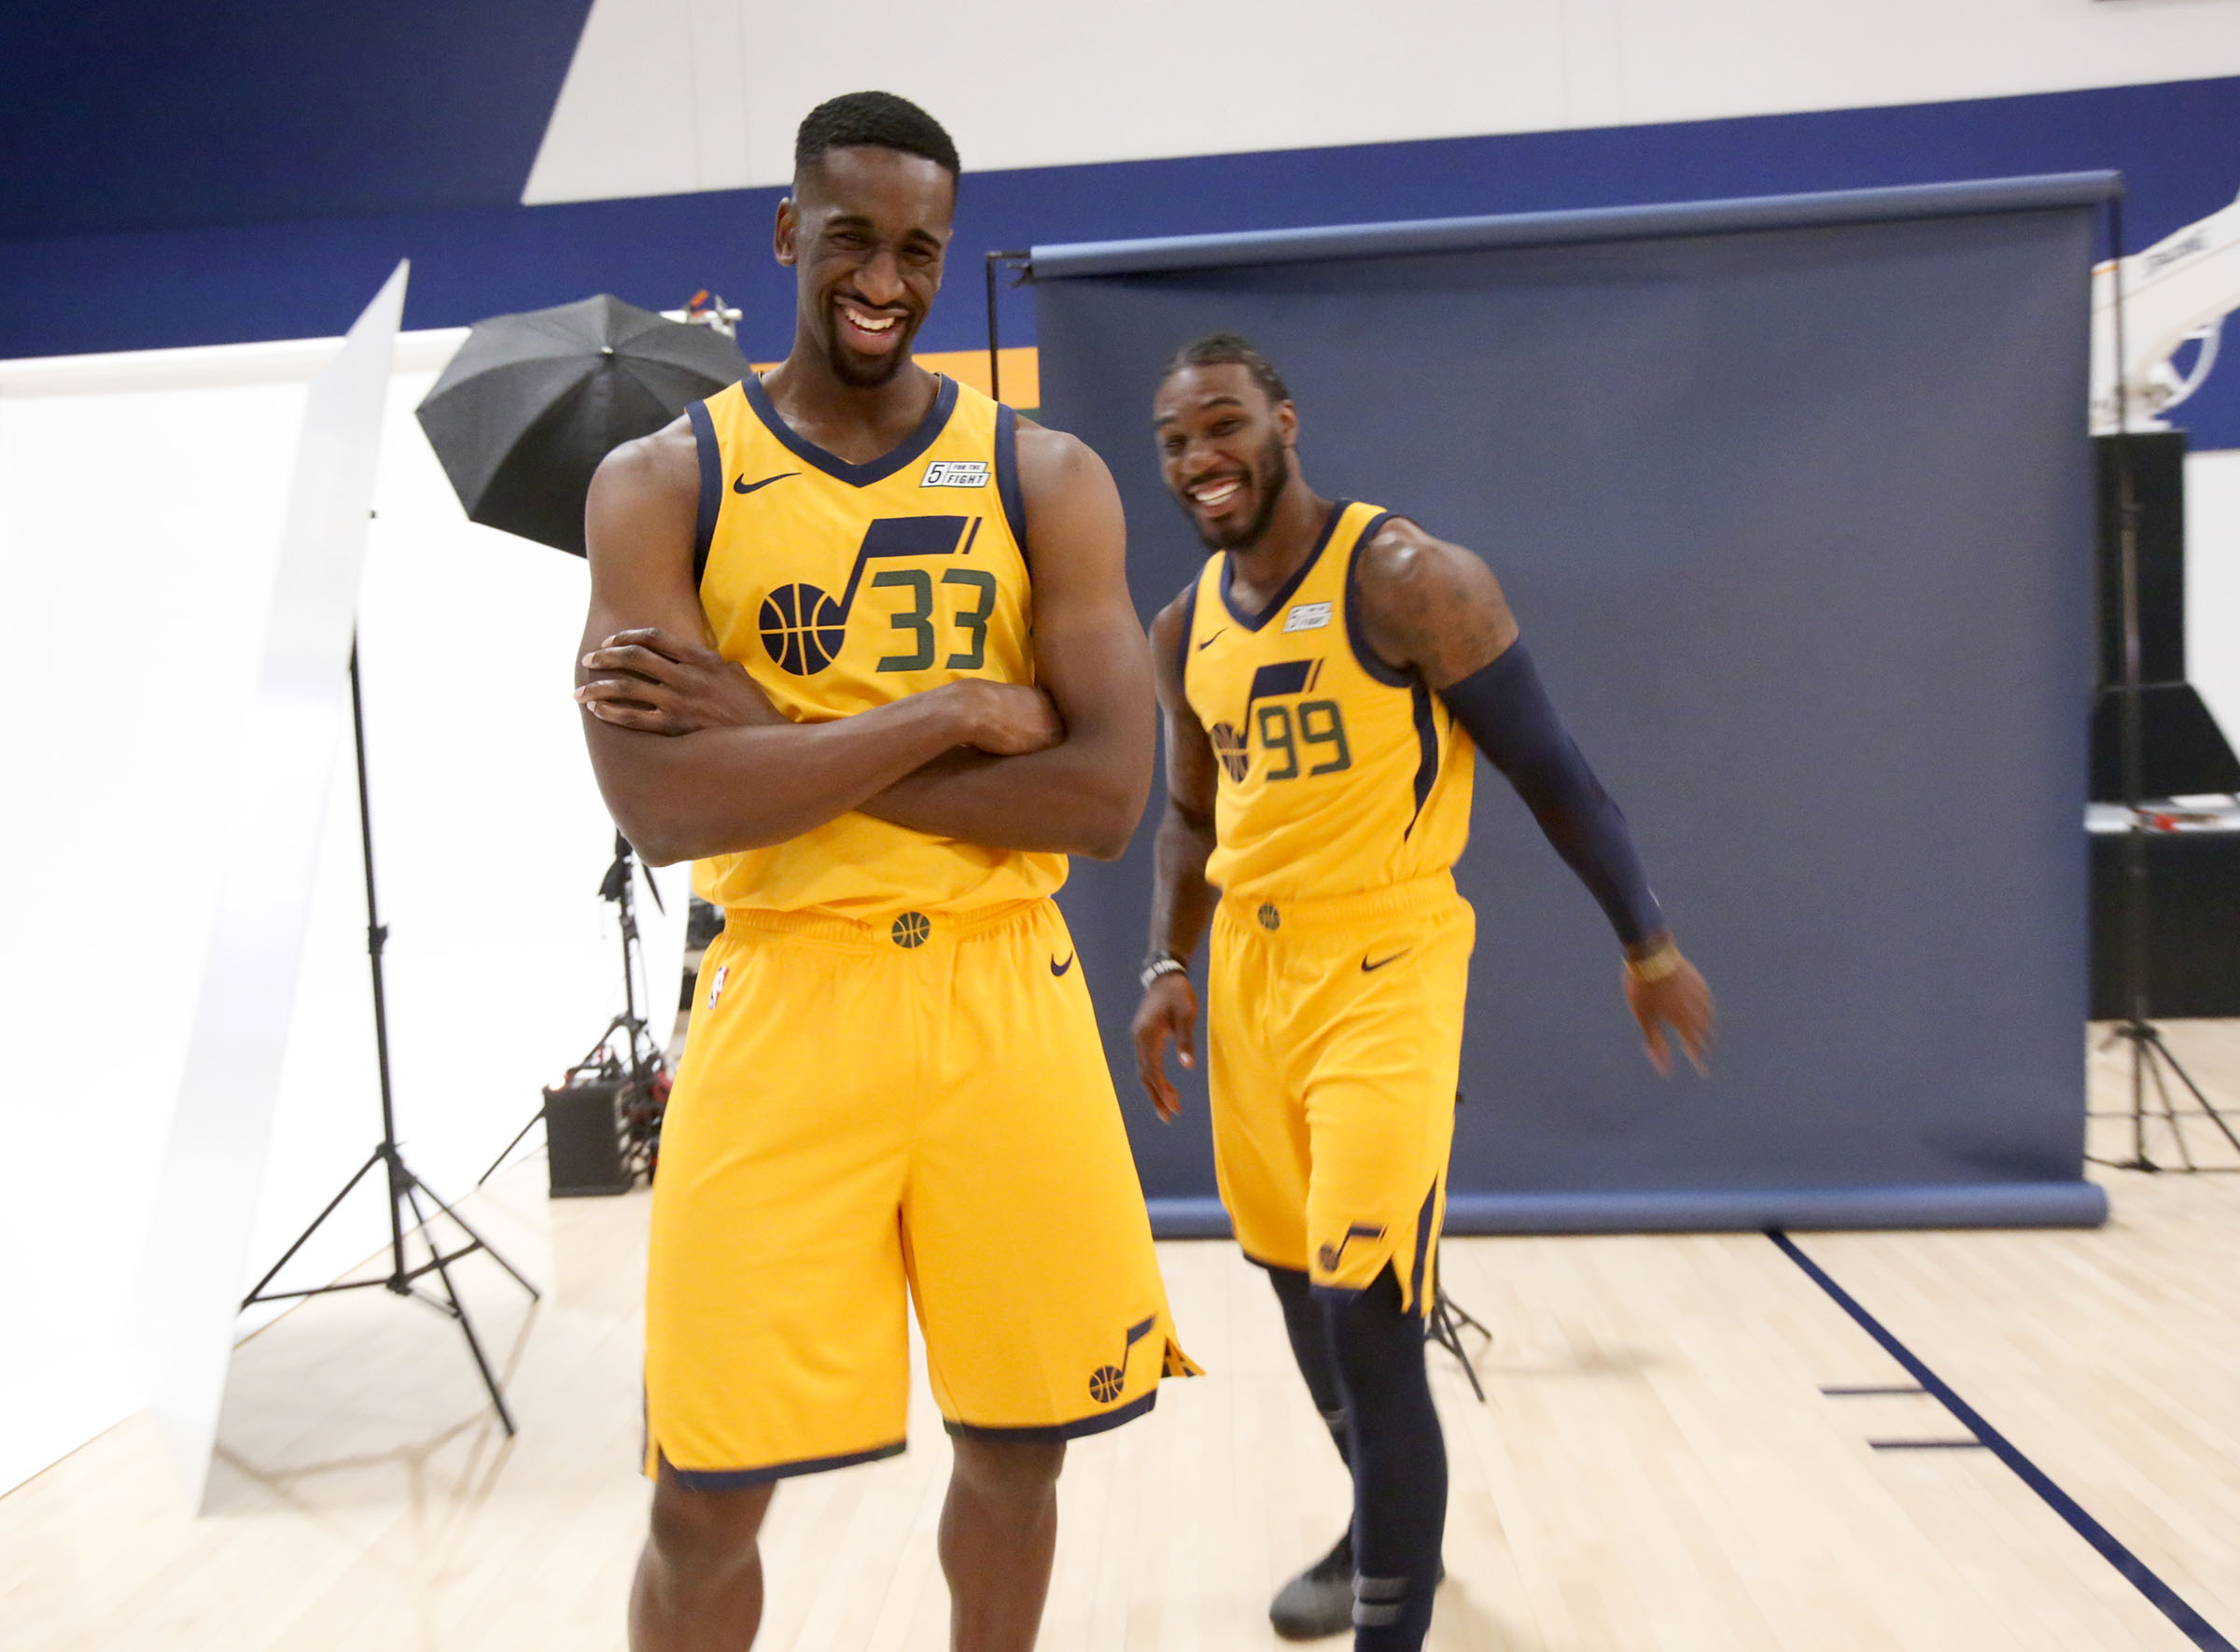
{"x":893,"y":1078}
{"x":1327,"y":678}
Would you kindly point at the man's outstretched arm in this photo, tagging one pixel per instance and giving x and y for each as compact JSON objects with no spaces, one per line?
{"x":760,"y":781}
{"x":1436,"y":610}
{"x":1083,"y":794}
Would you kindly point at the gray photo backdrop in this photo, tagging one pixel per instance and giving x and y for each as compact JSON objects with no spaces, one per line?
{"x":1793,"y":501}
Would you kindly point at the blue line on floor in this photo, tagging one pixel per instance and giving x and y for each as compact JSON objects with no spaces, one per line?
{"x":2166,"y":1599}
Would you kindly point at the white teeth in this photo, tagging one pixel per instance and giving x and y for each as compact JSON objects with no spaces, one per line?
{"x":869,"y":323}
{"x":1211,"y":497}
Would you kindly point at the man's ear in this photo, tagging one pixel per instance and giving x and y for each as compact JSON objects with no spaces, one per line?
{"x":1287,"y":422}
{"x":783,"y":232}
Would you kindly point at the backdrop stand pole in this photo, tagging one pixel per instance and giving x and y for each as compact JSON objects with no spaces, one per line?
{"x":995,"y":366}
{"x":405,"y":1188}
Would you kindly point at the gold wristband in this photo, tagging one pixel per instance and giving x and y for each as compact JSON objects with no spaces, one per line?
{"x":1663,"y":962}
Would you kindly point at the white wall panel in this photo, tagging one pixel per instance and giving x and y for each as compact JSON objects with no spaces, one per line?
{"x":141,"y":501}
{"x":659,"y":87}
{"x":2213,"y":583}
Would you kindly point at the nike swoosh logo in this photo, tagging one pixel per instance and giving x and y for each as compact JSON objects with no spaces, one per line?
{"x":1208,"y":641}
{"x":1060,"y":969}
{"x":744,"y":487}
{"x":1366,"y":966}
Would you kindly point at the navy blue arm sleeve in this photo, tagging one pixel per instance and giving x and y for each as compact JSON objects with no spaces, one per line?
{"x":1505,"y":708}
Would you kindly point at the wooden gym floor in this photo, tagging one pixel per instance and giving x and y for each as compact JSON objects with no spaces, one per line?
{"x":1657,"y":1464}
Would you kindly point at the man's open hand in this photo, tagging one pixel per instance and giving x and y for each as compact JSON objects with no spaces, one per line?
{"x":1681,"y":1002}
{"x":1168,"y":1012}
{"x":656,"y":682}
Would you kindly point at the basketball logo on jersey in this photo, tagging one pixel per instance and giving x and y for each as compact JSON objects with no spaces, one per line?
{"x":1331,"y":1255}
{"x":1229,"y":744}
{"x":803,"y":627}
{"x":954,"y":473}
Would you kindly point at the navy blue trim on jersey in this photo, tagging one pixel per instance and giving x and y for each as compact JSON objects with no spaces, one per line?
{"x":1007,"y":480}
{"x":1415,"y":1272}
{"x":1181,"y":648}
{"x":1427,"y":740}
{"x":711,"y":488}
{"x":1052,"y":1434}
{"x":1364,"y":655}
{"x":1228,"y":569}
{"x":878,"y":469}
{"x":738,"y":1479}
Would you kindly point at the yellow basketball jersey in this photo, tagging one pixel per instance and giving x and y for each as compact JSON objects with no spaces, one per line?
{"x":840,"y":587}
{"x":1338,"y":773}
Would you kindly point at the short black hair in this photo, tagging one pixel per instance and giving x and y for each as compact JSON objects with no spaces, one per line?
{"x":878,"y":119}
{"x":1228,"y":349}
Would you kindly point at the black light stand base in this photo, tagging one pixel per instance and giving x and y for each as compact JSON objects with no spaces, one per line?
{"x":645,"y":1061}
{"x":405,"y":1193}
{"x":2150,"y":1059}
{"x":405,"y":1188}
{"x":1445,"y":1324}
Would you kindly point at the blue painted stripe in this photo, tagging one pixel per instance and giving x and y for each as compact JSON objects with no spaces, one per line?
{"x":1550,"y":229}
{"x":1998,"y":1204}
{"x":2136,"y":1571}
{"x":1191,"y":1218}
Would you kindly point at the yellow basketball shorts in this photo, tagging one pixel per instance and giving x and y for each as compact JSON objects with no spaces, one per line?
{"x":1335,"y":1032}
{"x":865,"y":1111}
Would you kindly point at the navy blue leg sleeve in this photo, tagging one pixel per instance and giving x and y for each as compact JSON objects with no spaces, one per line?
{"x":1399,"y":1461}
{"x":1309,"y":1333}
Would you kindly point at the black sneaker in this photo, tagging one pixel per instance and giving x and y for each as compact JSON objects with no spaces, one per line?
{"x":1319,"y":1602}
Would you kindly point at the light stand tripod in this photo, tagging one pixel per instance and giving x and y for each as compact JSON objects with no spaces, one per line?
{"x":1445,"y":1324}
{"x":405,"y":1188}
{"x":642,"y":1057}
{"x":2150,"y":1056}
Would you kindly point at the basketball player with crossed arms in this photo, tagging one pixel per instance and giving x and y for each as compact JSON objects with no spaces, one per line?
{"x":861,"y":644}
{"x":1326,"y":680}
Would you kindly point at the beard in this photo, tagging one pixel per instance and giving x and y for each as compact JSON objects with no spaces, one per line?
{"x":860,"y":372}
{"x":1269,"y":477}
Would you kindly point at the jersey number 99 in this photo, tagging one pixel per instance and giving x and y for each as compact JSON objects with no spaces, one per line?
{"x":1317,"y":726}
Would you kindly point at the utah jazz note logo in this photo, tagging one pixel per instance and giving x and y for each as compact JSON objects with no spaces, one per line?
{"x":1331,"y":1255}
{"x":803,"y":626}
{"x":1106,"y":1381}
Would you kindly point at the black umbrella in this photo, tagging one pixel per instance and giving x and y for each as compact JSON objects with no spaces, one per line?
{"x":532,"y":403}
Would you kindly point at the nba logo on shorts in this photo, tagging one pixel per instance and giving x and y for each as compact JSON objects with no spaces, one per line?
{"x":715,"y":987}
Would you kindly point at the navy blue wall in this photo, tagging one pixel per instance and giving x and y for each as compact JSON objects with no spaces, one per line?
{"x":2177,"y":145}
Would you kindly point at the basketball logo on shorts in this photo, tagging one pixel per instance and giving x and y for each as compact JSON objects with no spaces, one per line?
{"x":911,"y":930}
{"x":1269,"y":917}
{"x":1107,"y":1382}
{"x":1229,"y":744}
{"x":802,"y":628}
{"x":715,"y":987}
{"x":1329,"y":1256}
